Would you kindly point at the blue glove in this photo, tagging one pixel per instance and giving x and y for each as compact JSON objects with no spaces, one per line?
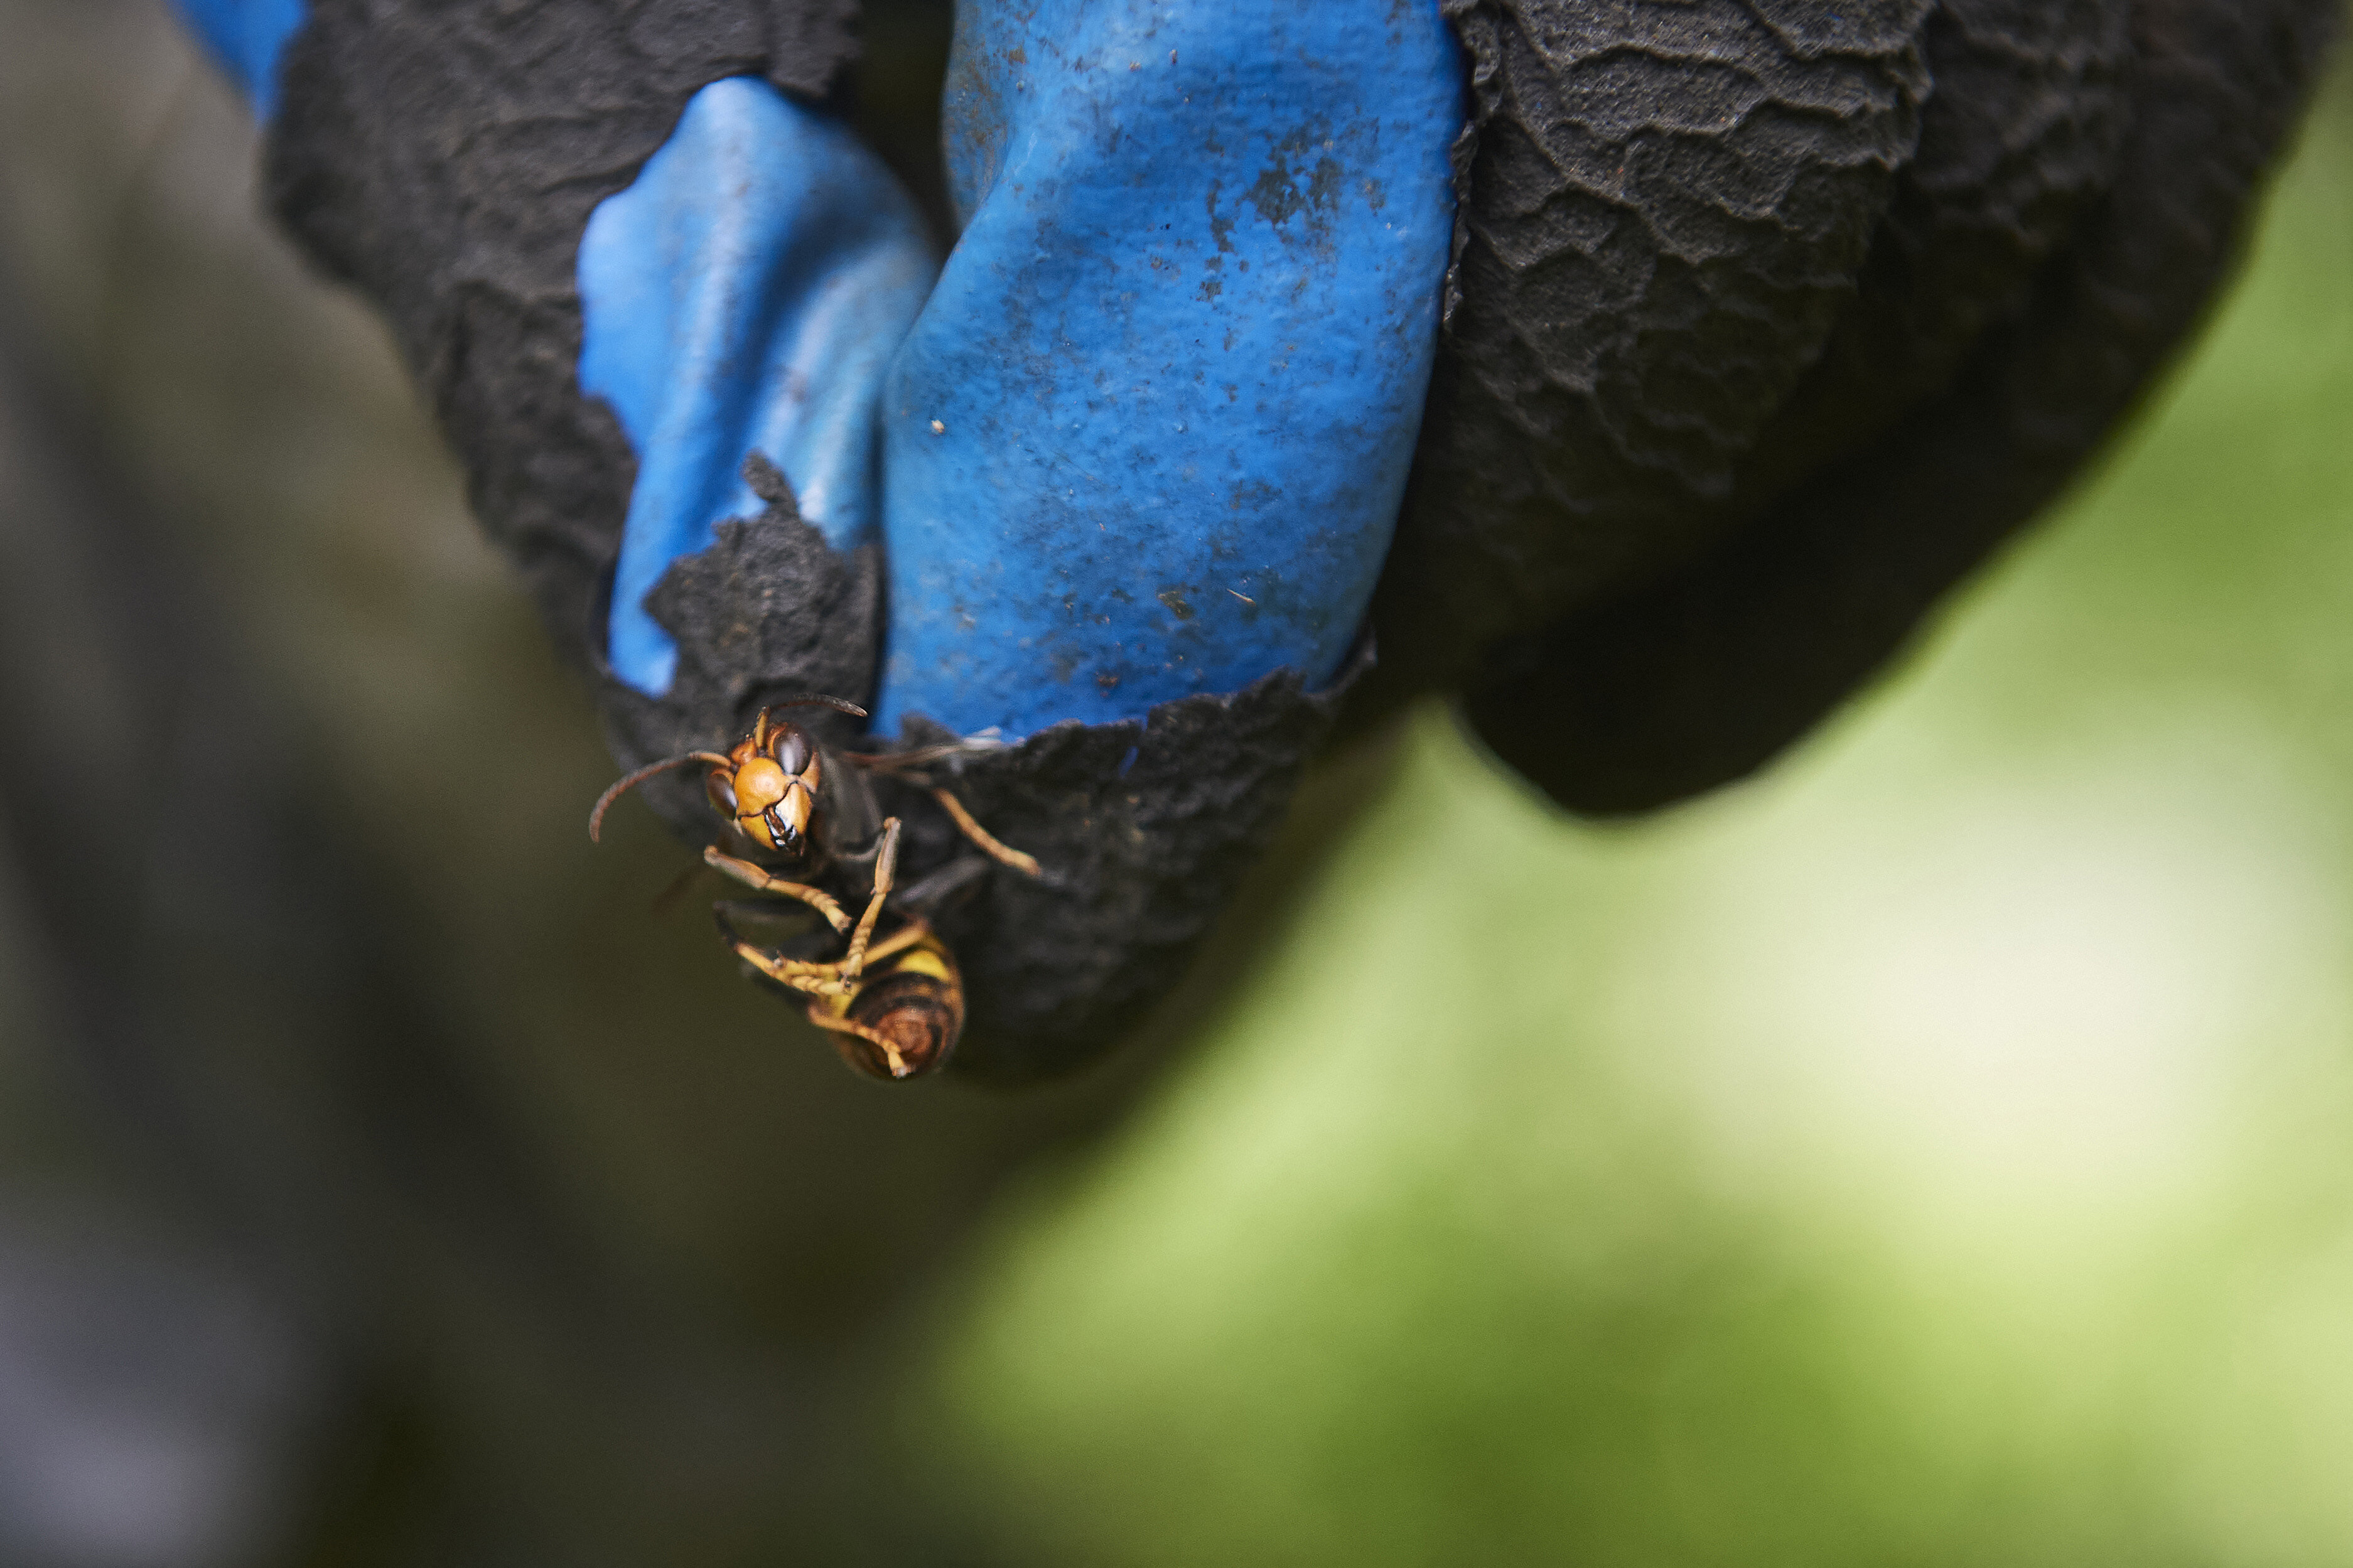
{"x":1755,"y":345}
{"x":744,"y":295}
{"x":247,"y":36}
{"x":1149,"y":434}
{"x":1148,"y":437}
{"x":1206,"y":287}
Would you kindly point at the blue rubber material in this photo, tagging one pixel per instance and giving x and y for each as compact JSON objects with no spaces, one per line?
{"x":744,"y":294}
{"x":1149,"y":434}
{"x":246,"y":36}
{"x":1179,"y":357}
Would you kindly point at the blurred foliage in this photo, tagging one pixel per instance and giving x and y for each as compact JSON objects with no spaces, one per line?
{"x":1937,"y":1152}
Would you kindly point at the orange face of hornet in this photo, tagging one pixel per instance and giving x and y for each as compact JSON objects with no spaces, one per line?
{"x":894,"y":1004}
{"x":768,"y":785}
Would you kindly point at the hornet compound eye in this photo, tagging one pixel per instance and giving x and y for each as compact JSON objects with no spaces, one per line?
{"x":1640,"y":374}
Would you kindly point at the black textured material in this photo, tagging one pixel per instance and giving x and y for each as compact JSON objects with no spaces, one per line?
{"x":2020,"y":135}
{"x":1769,"y":320}
{"x":1142,"y":831}
{"x":445,"y":157}
{"x":769,"y":611}
{"x":1702,"y":678}
{"x":1662,"y":213}
{"x":1638,"y":616}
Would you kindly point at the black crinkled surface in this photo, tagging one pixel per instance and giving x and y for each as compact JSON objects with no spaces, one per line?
{"x":769,"y":611}
{"x":1768,"y":320}
{"x":444,"y":157}
{"x":1632,"y":624}
{"x":1662,"y":217}
{"x":2021,"y":133}
{"x":1142,"y":831}
{"x":1702,"y":678}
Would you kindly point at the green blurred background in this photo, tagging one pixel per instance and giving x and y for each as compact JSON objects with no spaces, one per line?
{"x":1935,"y":1152}
{"x":1939,"y":1151}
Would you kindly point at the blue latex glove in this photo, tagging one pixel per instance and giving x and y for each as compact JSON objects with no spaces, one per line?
{"x":1149,"y":434}
{"x":1737,"y":387}
{"x":743,"y":295}
{"x":247,"y":36}
{"x":1722,"y":264}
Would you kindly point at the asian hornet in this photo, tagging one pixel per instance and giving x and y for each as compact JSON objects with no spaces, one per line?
{"x":894,"y":1006}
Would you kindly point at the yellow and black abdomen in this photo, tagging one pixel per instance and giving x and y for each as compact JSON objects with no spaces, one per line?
{"x":907,"y":1012}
